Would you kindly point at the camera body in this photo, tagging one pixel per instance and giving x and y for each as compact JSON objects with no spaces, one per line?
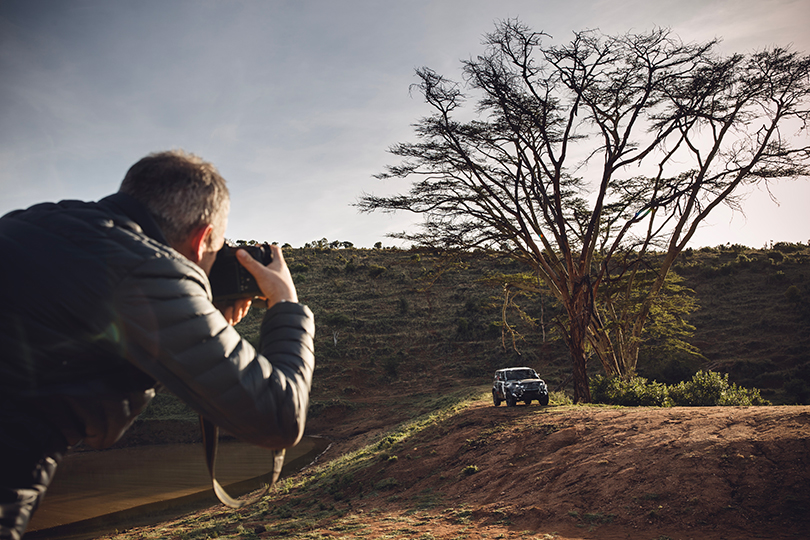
{"x":229,"y":279}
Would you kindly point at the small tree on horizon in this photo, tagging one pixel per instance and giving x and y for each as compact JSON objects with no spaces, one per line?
{"x":595,"y":161}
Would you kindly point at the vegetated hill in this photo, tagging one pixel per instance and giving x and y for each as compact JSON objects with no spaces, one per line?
{"x":413,"y":321}
{"x":754,"y":320}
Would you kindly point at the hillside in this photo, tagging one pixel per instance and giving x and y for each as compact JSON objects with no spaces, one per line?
{"x":394,"y":320}
{"x":754,"y":321}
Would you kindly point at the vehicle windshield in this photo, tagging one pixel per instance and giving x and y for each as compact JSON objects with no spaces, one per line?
{"x":519,"y":374}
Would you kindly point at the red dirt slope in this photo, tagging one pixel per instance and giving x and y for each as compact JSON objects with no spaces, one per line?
{"x":591,"y":472}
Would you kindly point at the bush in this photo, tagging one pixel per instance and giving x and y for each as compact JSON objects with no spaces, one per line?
{"x":391,"y":366}
{"x":788,"y":247}
{"x":792,"y":294}
{"x":462,"y":326}
{"x":635,"y":392}
{"x":743,"y":260}
{"x":560,"y":398}
{"x":298,"y":267}
{"x":707,"y":388}
{"x":351,"y":266}
{"x":331,"y":270}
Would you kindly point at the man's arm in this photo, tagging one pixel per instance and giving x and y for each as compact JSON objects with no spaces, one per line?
{"x":173,"y":333}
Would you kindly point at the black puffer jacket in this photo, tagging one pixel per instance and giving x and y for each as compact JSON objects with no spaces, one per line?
{"x":96,"y":309}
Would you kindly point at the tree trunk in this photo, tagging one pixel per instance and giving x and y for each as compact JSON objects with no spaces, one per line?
{"x":582,"y":390}
{"x":579,"y":315}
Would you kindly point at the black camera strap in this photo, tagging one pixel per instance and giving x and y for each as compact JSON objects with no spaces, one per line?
{"x":210,"y":436}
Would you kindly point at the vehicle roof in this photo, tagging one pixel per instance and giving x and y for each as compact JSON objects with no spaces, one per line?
{"x":511,"y":368}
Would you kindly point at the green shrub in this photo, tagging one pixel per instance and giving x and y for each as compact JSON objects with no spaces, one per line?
{"x":560,"y":398}
{"x":386,"y":483}
{"x":376,"y":270}
{"x":707,"y":388}
{"x":739,"y":396}
{"x":462,"y":326}
{"x":743,"y":260}
{"x":391,"y":366}
{"x":792,"y":294}
{"x":298,"y":268}
{"x":635,"y":392}
{"x":787,"y":247}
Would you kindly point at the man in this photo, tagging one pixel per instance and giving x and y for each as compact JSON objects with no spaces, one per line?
{"x":100,"y":303}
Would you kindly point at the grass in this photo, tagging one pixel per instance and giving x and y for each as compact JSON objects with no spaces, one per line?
{"x":339,"y":471}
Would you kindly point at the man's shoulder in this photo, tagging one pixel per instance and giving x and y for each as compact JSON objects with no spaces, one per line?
{"x":58,"y":217}
{"x":80,"y":231}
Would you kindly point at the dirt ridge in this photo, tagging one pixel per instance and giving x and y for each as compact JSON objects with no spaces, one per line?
{"x":697,"y":472}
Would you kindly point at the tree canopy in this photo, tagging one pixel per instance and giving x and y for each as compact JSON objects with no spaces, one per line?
{"x":595,"y":161}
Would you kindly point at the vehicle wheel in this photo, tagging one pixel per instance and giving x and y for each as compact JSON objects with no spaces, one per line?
{"x":511,"y":402}
{"x":527,"y":402}
{"x":495,"y":400}
{"x":543,"y":400}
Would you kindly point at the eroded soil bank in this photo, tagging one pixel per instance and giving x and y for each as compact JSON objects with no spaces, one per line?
{"x":557,"y":472}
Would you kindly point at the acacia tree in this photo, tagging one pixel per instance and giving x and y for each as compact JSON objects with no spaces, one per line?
{"x":595,"y":161}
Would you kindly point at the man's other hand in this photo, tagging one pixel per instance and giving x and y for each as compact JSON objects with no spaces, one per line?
{"x":234,"y":310}
{"x":274,"y":280}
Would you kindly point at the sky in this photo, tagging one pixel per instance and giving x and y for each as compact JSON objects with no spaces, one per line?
{"x":297,"y":102}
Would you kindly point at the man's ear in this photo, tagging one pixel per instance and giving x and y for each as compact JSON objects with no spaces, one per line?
{"x":200,"y":239}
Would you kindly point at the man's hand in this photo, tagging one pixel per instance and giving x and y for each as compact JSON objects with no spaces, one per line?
{"x":235,"y":310}
{"x":274,"y":280}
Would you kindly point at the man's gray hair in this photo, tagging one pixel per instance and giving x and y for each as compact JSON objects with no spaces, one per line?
{"x":181,"y":191}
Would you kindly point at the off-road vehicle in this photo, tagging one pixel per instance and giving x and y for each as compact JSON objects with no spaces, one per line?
{"x":518,"y":384}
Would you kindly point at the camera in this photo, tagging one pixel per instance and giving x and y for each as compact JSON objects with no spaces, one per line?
{"x":229,"y":279}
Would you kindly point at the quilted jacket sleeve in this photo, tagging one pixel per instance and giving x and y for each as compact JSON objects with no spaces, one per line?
{"x":172,"y":331}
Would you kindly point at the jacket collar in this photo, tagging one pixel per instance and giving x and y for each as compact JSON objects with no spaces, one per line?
{"x":133,"y":209}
